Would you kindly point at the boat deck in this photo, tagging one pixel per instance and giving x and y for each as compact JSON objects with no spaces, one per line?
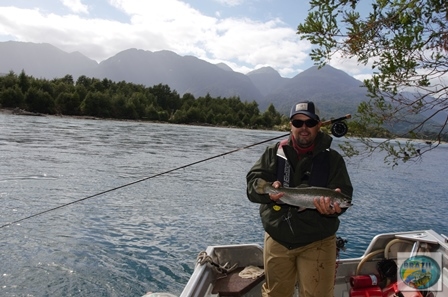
{"x":232,"y":285}
{"x":206,"y":281}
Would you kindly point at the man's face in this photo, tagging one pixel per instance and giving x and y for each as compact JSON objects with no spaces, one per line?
{"x":304,"y":135}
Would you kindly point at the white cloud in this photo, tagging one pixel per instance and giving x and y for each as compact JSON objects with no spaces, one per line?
{"x":230,"y":2}
{"x":254,"y":43}
{"x":363,"y":76}
{"x":76,"y":6}
{"x":241,"y":43}
{"x":351,"y":66}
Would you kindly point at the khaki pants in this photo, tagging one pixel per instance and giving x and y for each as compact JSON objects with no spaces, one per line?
{"x":313,"y":266}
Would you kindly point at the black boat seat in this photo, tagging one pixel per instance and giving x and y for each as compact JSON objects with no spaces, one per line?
{"x":234,"y":285}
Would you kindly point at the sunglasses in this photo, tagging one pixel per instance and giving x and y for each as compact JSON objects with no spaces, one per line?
{"x":309,"y":123}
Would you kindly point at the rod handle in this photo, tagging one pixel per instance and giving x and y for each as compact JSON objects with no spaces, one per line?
{"x":329,"y":122}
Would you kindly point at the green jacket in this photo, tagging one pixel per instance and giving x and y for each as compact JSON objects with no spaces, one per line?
{"x":284,"y":223}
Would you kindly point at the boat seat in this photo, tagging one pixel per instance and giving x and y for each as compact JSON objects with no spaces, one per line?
{"x":234,"y":285}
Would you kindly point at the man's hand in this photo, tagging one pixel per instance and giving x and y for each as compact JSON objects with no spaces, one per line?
{"x":276,"y":197}
{"x":325,"y":207}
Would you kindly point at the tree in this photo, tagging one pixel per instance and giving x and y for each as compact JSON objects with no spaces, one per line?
{"x":84,"y":81}
{"x":8,"y":81}
{"x":40,"y":101}
{"x":406,"y":43}
{"x":96,"y":104}
{"x":68,"y":103}
{"x":12,"y":97}
{"x":24,"y":82}
{"x":272,"y":116}
{"x":168,"y":100}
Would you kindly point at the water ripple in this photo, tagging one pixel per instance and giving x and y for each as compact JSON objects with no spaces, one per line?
{"x":146,"y":237}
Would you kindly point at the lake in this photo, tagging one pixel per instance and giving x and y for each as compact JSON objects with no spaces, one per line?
{"x":145,"y":198}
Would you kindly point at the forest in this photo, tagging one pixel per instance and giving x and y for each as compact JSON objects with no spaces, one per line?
{"x":92,"y":97}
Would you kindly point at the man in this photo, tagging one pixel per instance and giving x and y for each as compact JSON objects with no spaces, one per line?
{"x":300,"y":246}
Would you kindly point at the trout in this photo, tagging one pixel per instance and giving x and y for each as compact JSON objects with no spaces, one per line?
{"x":303,"y":197}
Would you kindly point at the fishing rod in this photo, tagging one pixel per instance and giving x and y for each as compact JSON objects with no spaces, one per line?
{"x":338,"y":120}
{"x":325,"y":123}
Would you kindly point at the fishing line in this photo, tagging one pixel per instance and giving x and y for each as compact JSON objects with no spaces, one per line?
{"x":141,"y":180}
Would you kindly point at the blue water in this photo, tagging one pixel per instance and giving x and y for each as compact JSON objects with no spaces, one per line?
{"x":146,"y":236}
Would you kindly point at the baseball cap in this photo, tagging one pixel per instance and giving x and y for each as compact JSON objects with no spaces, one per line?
{"x":307,"y":108}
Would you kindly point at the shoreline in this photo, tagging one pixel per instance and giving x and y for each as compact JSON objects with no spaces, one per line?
{"x":10,"y":111}
{"x":16,"y":111}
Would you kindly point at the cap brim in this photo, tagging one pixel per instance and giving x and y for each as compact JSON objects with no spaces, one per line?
{"x":307,"y":113}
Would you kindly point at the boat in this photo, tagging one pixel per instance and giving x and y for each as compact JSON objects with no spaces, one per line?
{"x":413,"y":263}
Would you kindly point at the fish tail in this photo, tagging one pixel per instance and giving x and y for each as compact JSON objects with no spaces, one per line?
{"x":260,"y":186}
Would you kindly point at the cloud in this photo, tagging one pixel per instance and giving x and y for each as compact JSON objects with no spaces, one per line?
{"x":242,"y":43}
{"x":352,"y":66}
{"x":76,"y":6}
{"x":230,"y":2}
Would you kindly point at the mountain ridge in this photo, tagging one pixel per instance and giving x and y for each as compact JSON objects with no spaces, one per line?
{"x":335,"y":92}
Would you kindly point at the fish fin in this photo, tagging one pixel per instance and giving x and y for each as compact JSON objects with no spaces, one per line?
{"x":300,"y":209}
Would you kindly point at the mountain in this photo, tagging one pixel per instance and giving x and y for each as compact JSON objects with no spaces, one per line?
{"x":184,"y":74}
{"x":43,"y":60}
{"x":334,"y":91}
{"x":267,"y":79}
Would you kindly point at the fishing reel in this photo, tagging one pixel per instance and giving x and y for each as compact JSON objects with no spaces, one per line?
{"x":338,"y":127}
{"x":340,"y":243}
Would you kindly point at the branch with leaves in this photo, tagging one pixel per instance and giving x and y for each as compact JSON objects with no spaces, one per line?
{"x":406,"y":44}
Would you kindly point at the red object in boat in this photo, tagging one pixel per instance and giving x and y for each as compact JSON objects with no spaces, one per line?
{"x":393,"y":290}
{"x":373,"y":291}
{"x":364,"y":280}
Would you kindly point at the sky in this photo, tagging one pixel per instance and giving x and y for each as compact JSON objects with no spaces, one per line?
{"x":244,"y":34}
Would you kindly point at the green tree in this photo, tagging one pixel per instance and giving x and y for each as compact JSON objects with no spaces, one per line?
{"x":81,"y":91}
{"x":12,"y":97}
{"x":97,"y":85}
{"x":165,"y":98}
{"x":139,"y":101}
{"x":96,"y":104}
{"x":44,"y":85}
{"x":152,"y":113}
{"x":272,"y":116}
{"x":84,"y":81}
{"x":24,"y":82}
{"x":8,"y":81}
{"x":68,"y":103}
{"x":195,"y":115}
{"x":64,"y":86}
{"x":187,"y":100}
{"x":40,"y":101}
{"x":406,"y":44}
{"x":68,"y":79}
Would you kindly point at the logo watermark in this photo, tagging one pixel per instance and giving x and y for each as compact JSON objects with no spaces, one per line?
{"x":422,"y":271}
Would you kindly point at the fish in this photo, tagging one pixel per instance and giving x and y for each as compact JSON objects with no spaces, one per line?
{"x":303,"y":197}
